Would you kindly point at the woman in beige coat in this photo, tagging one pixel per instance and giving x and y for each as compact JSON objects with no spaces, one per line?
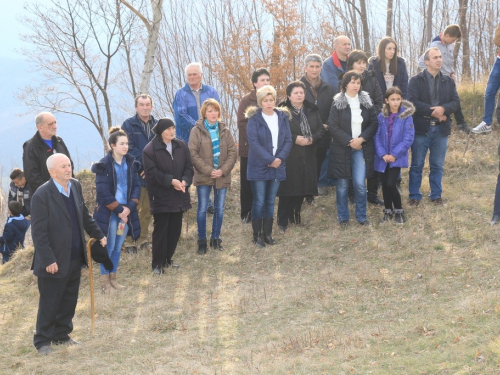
{"x":213,"y":153}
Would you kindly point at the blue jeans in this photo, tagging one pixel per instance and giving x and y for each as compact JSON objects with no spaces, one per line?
{"x":264,"y":195}
{"x":358,"y":180}
{"x":436,"y":144}
{"x":203,"y":192}
{"x":491,"y":91}
{"x":115,"y":243}
{"x":323,"y":179}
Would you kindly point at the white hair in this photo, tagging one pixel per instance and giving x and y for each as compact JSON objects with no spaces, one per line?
{"x":197,"y":64}
{"x":51,"y":161}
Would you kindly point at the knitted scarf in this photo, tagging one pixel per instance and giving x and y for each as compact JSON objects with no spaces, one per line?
{"x":304,"y":124}
{"x":213,"y":129}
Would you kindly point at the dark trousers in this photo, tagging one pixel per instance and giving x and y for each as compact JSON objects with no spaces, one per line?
{"x":289,"y":210}
{"x":371,"y":187}
{"x":320,"y":157}
{"x":496,"y":205}
{"x":166,"y":233}
{"x":245,"y":189}
{"x":389,"y":188}
{"x":56,"y":308}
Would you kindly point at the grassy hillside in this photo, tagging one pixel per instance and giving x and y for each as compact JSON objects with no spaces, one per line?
{"x":422,"y":298}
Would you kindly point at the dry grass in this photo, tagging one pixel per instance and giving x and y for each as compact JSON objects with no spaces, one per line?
{"x":422,"y":298}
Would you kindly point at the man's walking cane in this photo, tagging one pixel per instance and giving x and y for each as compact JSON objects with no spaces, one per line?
{"x":91,"y":280}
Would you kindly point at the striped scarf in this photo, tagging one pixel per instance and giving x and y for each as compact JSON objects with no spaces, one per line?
{"x":214,"y":135}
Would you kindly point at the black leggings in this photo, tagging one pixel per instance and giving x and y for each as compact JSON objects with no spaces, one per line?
{"x":389,"y":189}
{"x":289,"y":210}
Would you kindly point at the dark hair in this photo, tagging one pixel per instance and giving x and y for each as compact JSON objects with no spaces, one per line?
{"x":390,"y":91}
{"x":257,"y":73}
{"x":453,"y":31}
{"x":293,"y":85}
{"x":15,"y":208}
{"x":16,"y":174}
{"x":114,"y":133}
{"x":393,"y":65}
{"x":356,"y":56}
{"x":348,"y":77}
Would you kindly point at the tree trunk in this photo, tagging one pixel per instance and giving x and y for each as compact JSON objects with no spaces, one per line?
{"x":388,"y":25}
{"x":428,"y":21}
{"x":366,"y":29}
{"x":464,"y":41}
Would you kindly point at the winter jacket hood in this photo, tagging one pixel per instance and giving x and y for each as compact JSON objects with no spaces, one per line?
{"x":407,"y":107}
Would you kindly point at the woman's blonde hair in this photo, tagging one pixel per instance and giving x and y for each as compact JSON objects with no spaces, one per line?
{"x":265,"y":91}
{"x":209,"y":103}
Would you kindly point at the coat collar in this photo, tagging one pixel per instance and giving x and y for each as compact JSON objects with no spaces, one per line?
{"x":158,"y":144}
{"x":340,"y":101}
{"x":407,"y":109}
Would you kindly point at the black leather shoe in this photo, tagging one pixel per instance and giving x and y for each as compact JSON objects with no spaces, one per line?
{"x":376,"y":200}
{"x":365,"y":223}
{"x":216,"y":243}
{"x":69,"y":342}
{"x":247,"y":219}
{"x":158,"y":271}
{"x":344,"y":224}
{"x":131,"y":249}
{"x":495,"y":219}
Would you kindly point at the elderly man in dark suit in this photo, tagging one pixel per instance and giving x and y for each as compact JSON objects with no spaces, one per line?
{"x":58,"y":217}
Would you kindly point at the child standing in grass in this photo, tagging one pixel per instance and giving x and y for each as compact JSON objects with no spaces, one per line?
{"x":394,"y":138}
{"x":14,"y":231}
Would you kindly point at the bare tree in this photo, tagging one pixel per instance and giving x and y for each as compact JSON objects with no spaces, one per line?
{"x":74,"y":46}
{"x":388,"y":24}
{"x":153,"y":29}
{"x":464,"y":40}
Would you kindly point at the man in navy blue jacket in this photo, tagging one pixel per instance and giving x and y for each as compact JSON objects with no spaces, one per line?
{"x":435,"y":98}
{"x":138,"y":129}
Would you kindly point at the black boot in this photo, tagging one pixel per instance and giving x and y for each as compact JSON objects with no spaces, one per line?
{"x":268,"y":230}
{"x":387,"y":214}
{"x":257,"y":229}
{"x":216,"y":243}
{"x":202,"y":246}
{"x":399,"y":216}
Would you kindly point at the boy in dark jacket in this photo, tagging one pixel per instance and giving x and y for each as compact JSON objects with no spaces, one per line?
{"x":14,"y":231}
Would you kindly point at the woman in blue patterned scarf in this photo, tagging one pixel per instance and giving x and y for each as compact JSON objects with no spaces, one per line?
{"x":213,"y":153}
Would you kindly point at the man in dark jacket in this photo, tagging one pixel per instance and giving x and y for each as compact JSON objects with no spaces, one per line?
{"x":335,"y":65}
{"x":260,"y":77}
{"x":319,"y":93}
{"x":19,"y":191}
{"x":37,"y":150}
{"x":435,"y":98}
{"x":139,"y":132}
{"x":59,"y":217}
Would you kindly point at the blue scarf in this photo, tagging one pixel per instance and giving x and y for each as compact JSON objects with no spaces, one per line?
{"x":214,"y":135}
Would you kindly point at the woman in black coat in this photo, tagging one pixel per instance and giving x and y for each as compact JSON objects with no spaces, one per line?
{"x":358,"y":61}
{"x":169,"y":172}
{"x":352,"y":125}
{"x":301,"y":172}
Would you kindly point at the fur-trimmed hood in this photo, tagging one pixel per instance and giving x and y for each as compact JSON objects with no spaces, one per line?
{"x":407,"y":109}
{"x":340,"y":101}
{"x":250,"y":111}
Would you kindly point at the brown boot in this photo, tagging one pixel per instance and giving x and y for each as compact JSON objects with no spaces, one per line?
{"x":105,"y":284}
{"x":114,"y":283}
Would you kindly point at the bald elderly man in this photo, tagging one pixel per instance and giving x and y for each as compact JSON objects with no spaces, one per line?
{"x":37,"y":150}
{"x":336,"y":64}
{"x":59,"y":217}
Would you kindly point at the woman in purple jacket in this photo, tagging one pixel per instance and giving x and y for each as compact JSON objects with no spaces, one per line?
{"x":393,"y":140}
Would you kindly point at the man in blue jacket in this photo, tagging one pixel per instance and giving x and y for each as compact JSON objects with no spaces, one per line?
{"x":435,"y":98}
{"x":336,"y":64}
{"x":138,"y":129}
{"x":188,"y":100}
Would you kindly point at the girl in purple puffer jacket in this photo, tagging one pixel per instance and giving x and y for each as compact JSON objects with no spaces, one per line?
{"x":394,"y":138}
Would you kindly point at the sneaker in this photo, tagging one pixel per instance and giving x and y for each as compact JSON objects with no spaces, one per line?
{"x":464,"y":128}
{"x":482,"y":128}
{"x":414,"y":202}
